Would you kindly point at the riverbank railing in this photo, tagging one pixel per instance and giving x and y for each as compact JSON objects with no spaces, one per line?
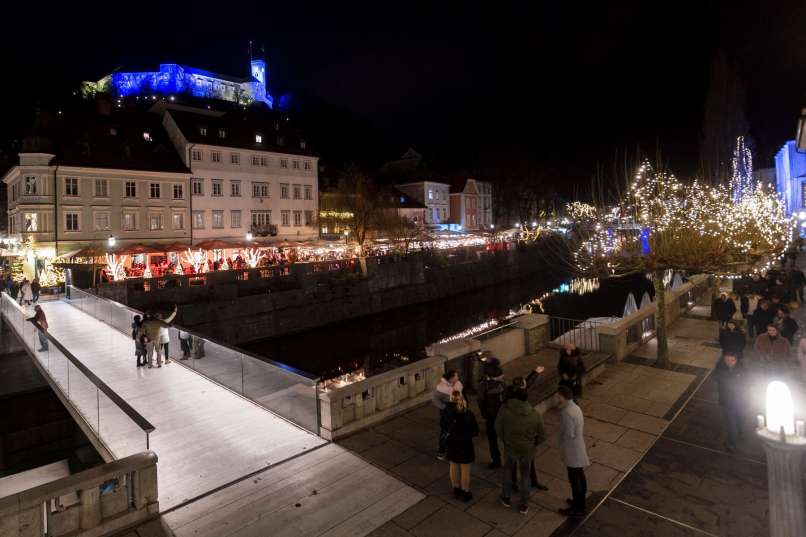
{"x":279,"y":388}
{"x":579,"y":332}
{"x":101,"y":409}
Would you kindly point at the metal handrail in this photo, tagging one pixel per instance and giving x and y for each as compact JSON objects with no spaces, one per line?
{"x":127,"y":409}
{"x":193,"y":333}
{"x":494,"y":329}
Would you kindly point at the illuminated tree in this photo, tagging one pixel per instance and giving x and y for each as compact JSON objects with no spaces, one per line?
{"x":663,"y":224}
{"x":742,"y":182}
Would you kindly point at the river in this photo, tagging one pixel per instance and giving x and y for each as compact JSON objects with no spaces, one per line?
{"x":387,"y":340}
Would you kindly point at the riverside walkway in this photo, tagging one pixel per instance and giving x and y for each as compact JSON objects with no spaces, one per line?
{"x":227,"y":466}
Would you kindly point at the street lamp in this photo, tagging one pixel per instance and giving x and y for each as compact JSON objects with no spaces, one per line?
{"x":249,"y":236}
{"x":784,"y":444}
{"x":534,"y":223}
{"x":111,"y":241}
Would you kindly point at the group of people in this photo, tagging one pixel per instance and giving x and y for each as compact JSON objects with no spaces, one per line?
{"x":26,"y":292}
{"x":152,"y":338}
{"x":512,"y":420}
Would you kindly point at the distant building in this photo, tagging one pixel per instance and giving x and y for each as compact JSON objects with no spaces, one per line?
{"x":172,"y":79}
{"x":790,"y":176}
{"x":405,"y":206}
{"x":82,"y":178}
{"x":466,"y":209}
{"x":250,"y":173}
{"x":485,"y":204}
{"x":434,"y":196}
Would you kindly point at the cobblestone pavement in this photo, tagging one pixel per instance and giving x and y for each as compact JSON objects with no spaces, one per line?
{"x":627,"y":408}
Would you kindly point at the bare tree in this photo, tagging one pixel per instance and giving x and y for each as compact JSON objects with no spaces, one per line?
{"x":359,"y":199}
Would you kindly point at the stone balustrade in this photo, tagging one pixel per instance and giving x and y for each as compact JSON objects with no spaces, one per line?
{"x":91,"y":503}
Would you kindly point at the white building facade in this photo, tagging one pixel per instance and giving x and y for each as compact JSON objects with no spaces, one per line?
{"x":242,"y":184}
{"x":434,"y":195}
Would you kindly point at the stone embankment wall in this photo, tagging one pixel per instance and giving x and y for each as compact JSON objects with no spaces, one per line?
{"x":243,"y":306}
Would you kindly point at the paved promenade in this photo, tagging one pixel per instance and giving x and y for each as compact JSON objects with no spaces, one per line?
{"x":627,"y":408}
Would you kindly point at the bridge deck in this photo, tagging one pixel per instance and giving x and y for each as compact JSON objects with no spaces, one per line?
{"x":206,"y":436}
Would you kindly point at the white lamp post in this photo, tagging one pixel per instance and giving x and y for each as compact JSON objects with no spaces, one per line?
{"x":249,"y":236}
{"x":784,"y":444}
{"x":111,"y":241}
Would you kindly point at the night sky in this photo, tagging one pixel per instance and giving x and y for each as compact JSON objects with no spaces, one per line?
{"x":568,"y":85}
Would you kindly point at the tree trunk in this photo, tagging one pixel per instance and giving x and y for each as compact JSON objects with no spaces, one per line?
{"x":660,"y":319}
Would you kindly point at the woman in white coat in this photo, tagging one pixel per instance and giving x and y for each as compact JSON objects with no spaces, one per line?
{"x":26,"y":293}
{"x":165,"y":339}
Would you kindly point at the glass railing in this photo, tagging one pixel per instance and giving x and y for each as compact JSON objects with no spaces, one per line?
{"x":282,"y":389}
{"x":119,"y":427}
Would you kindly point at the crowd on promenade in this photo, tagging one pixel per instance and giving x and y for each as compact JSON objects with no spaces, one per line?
{"x":510,"y":420}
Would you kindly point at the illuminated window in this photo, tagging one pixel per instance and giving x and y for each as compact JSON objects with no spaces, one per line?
{"x":30,"y":185}
{"x":235,"y":219}
{"x":179,"y":221}
{"x":217,"y":187}
{"x":71,"y":186}
{"x":430,"y":194}
{"x":284,"y":191}
{"x":129,"y":222}
{"x":308,"y":192}
{"x":235,"y":158}
{"x":71,"y":222}
{"x":102,"y":221}
{"x":155,"y":222}
{"x":235,"y":189}
{"x":203,"y":131}
{"x":215,"y":156}
{"x":147,"y":136}
{"x":222,"y":133}
{"x":285,"y":218}
{"x":258,"y":139}
{"x":131,"y":189}
{"x":197,"y":187}
{"x":179,"y":192}
{"x":218,"y":219}
{"x":154,"y":190}
{"x":31,"y":221}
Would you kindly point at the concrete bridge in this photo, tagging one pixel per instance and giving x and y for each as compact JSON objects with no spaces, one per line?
{"x":236,"y":438}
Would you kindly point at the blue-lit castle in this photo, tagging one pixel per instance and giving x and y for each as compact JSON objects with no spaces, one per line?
{"x":174,"y":79}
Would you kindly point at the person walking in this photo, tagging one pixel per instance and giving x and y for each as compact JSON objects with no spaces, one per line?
{"x":462,"y":429}
{"x":151,"y":330}
{"x":35,"y":288}
{"x":490,"y":395}
{"x":788,"y":326}
{"x":186,"y":343}
{"x":732,"y":340}
{"x":441,"y":398}
{"x":723,"y":309}
{"x":761,"y":318}
{"x":573,"y":451}
{"x":797,"y":280}
{"x":772,"y":349}
{"x":730,"y":378}
{"x":41,"y":322}
{"x":571,"y":369}
{"x":26,"y":294}
{"x":520,"y":428}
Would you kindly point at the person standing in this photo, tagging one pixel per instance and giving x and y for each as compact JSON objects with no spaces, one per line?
{"x":573,"y":451}
{"x":772,"y":349}
{"x":571,"y":369}
{"x":35,"y":288}
{"x":151,"y":330}
{"x":185,"y":342}
{"x":441,"y":398}
{"x":462,"y":428}
{"x":797,"y":280}
{"x":139,"y":341}
{"x":723,"y":309}
{"x":730,"y":380}
{"x":761,"y":318}
{"x":520,"y":428}
{"x":26,"y":295}
{"x":490,"y":398}
{"x":41,"y":322}
{"x":787,"y":325}
{"x":165,"y":340}
{"x":732,"y":340}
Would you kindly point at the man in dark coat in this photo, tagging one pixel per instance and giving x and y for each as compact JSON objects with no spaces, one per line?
{"x":723,"y":309}
{"x":730,"y":379}
{"x":761,"y":318}
{"x":490,"y":398}
{"x":732,"y":340}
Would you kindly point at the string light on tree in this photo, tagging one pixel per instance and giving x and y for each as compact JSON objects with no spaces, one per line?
{"x":742,"y":182}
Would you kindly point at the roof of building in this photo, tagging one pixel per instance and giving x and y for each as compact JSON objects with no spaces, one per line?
{"x":127,"y":139}
{"x":399,"y":200}
{"x":241,"y":130}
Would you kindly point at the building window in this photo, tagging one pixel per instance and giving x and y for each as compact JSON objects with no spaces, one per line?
{"x":285,"y":218}
{"x":235,"y":189}
{"x":31,"y":221}
{"x":255,"y":160}
{"x":71,"y":186}
{"x":284,"y":191}
{"x":260,"y":190}
{"x":308,"y":192}
{"x":131,"y":189}
{"x":235,"y":219}
{"x":222,"y":133}
{"x":196,"y":155}
{"x":284,"y":163}
{"x":14,"y":191}
{"x":154,"y":190}
{"x":295,"y":164}
{"x":129,"y":222}
{"x":297,"y":192}
{"x":155,"y":222}
{"x":264,"y":162}
{"x":258,"y":139}
{"x":101,"y":188}
{"x":197,"y":187}
{"x":261,"y":219}
{"x":303,"y":144}
{"x":179,"y":192}
{"x":217,"y":187}
{"x":430,"y":194}
{"x":179,"y":221}
{"x":147,"y":136}
{"x":203,"y":131}
{"x":308,"y":218}
{"x":235,"y":158}
{"x":198,"y":219}
{"x":307,"y":165}
{"x":102,"y":221}
{"x":297,"y":218}
{"x":71,"y":222}
{"x":218,"y":219}
{"x":215,"y":156}
{"x":30,"y":186}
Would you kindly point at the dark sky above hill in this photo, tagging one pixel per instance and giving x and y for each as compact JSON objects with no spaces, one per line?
{"x":566,"y":83}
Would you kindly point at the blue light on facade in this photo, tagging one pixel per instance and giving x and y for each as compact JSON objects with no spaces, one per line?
{"x":790,"y":175}
{"x":645,"y":240}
